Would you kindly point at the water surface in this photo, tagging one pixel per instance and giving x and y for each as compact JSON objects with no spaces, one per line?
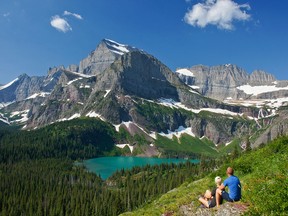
{"x":106,"y":166}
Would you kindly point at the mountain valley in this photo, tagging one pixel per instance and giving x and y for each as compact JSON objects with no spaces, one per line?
{"x":122,"y":101}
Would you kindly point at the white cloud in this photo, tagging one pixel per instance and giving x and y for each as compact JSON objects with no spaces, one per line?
{"x":221,"y":13}
{"x":60,"y":24}
{"x":77,"y":16}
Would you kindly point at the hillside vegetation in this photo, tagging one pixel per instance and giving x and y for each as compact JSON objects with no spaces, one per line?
{"x":263,"y":174}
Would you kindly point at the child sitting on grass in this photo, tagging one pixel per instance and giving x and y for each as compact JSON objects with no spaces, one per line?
{"x":209,"y":198}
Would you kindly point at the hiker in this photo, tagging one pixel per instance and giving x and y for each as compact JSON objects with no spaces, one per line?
{"x":234,"y":186}
{"x":209,"y":198}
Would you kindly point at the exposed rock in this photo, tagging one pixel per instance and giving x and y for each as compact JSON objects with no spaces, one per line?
{"x":21,"y":88}
{"x":221,"y":82}
{"x":277,"y":128}
{"x":73,"y":68}
{"x":259,"y":77}
{"x":53,"y":70}
{"x":137,"y":73}
{"x":66,"y":99}
{"x":227,"y":209}
{"x":104,"y":55}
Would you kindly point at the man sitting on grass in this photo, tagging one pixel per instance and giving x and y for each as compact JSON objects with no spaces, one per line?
{"x":234,"y":187}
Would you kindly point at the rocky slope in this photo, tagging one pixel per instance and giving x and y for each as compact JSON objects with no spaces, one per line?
{"x":101,"y":58}
{"x":276,"y":127}
{"x":20,"y":88}
{"x":232,"y":82}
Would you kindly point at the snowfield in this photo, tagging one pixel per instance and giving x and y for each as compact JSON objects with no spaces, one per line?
{"x":256,"y":90}
{"x":178,"y":132}
{"x":8,"y":84}
{"x":171,"y":103}
{"x":123,"y":146}
{"x":41,"y":94}
{"x":76,"y":115}
{"x":118,"y":48}
{"x":185,"y":72}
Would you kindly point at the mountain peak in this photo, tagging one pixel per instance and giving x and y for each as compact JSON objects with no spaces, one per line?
{"x":103,"y":56}
{"x":116,"y":47}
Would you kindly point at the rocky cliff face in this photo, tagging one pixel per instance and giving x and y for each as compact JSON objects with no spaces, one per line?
{"x":222,"y":82}
{"x":142,"y":75}
{"x":104,"y":55}
{"x":20,"y":88}
{"x":275,"y":128}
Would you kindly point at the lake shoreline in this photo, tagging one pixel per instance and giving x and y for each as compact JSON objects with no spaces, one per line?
{"x":106,"y":166}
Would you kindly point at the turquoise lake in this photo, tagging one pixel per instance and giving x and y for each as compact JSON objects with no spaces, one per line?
{"x":106,"y":166}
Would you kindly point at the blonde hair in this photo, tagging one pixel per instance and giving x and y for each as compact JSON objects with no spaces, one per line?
{"x":218,"y":180}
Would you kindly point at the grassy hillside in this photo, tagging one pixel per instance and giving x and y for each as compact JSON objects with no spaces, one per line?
{"x":263,"y":174}
{"x":186,"y":145}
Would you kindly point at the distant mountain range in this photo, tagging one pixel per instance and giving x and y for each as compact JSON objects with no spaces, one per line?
{"x":130,"y":88}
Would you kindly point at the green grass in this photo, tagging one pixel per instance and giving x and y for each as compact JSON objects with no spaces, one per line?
{"x":231,"y":147}
{"x":186,"y":144}
{"x":263,"y":174}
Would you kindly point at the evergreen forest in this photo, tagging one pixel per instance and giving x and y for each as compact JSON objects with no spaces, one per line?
{"x":39,"y":175}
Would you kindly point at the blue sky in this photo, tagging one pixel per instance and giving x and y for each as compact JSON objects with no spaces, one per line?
{"x":36,"y":35}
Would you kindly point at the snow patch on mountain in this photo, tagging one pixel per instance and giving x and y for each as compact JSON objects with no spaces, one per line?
{"x":22,"y":116}
{"x":76,"y":115}
{"x":256,"y":90}
{"x":115,"y":47}
{"x":8,"y":84}
{"x":276,"y":103}
{"x":2,"y":105}
{"x":40,"y":94}
{"x":84,"y":86}
{"x":124,"y":145}
{"x":107,"y":92}
{"x":4,"y":119}
{"x":127,"y":124}
{"x":178,"y":132}
{"x":93,"y":114}
{"x":81,"y":75}
{"x":185,"y":72}
{"x":272,"y":103}
{"x":194,"y":87}
{"x":153,"y":135}
{"x":70,"y":82}
{"x":171,"y":103}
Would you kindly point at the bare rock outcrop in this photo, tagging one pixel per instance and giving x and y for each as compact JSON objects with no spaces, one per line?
{"x":221,"y":82}
{"x":227,"y":209}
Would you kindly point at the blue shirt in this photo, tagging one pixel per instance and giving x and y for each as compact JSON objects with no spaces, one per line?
{"x":234,"y":186}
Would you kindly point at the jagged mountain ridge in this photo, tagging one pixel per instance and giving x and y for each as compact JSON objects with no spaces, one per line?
{"x":118,"y":83}
{"x":20,"y":88}
{"x":98,"y":60}
{"x":232,"y":82}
